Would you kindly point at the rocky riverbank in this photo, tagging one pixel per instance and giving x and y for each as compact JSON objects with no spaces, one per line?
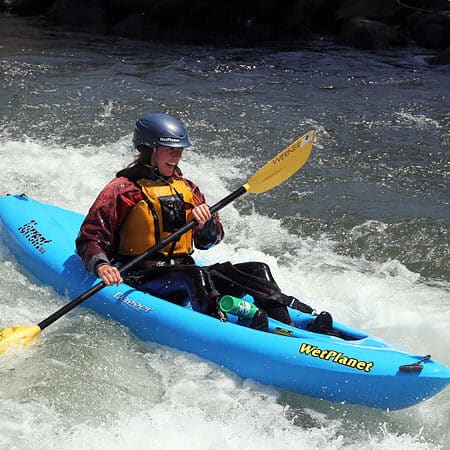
{"x":364,"y":24}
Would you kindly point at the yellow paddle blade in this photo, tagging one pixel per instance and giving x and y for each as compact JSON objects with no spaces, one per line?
{"x":17,"y":336}
{"x":283,"y":166}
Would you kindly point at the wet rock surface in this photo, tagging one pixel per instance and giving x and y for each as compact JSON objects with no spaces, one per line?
{"x":364,"y":24}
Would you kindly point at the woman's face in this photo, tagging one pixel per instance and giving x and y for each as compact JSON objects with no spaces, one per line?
{"x":166,"y":159}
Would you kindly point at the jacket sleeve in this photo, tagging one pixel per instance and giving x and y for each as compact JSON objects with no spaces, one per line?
{"x":212,"y":232}
{"x":98,"y":237}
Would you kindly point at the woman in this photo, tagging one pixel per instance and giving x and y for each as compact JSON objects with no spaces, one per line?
{"x":149,"y":200}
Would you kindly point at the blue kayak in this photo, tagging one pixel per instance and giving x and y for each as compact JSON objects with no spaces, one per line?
{"x":351,"y":367}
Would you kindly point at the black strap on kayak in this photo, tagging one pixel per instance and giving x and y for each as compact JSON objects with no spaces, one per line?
{"x":415,"y":367}
{"x":257,"y":287}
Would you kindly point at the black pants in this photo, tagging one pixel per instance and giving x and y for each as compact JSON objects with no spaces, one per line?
{"x":204,"y":286}
{"x":252,"y":278}
{"x":178,"y":284}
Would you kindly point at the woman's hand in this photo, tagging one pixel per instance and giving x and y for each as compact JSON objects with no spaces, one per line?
{"x":109,"y":274}
{"x":201,"y":214}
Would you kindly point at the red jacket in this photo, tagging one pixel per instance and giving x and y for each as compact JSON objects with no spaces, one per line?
{"x":99,"y":233}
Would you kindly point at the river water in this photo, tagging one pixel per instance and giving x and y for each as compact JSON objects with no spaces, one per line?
{"x":362,"y":230}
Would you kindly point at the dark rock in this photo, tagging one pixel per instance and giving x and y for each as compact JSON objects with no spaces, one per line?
{"x":441,"y":59}
{"x":367,"y":34}
{"x":389,"y":12}
{"x":117,"y":10}
{"x":85,"y":14}
{"x":25,"y":7}
{"x":322,"y":15}
{"x":287,"y":19}
{"x":249,"y":20}
{"x":425,"y":5}
{"x":432,"y":30}
{"x":137,"y":25}
{"x":365,"y":24}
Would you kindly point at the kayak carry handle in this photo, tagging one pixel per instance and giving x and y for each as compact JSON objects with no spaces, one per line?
{"x":416,"y":367}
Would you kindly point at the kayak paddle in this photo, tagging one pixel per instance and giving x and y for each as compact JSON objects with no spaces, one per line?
{"x":273,"y":173}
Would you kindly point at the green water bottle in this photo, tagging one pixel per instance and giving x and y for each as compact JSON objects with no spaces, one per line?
{"x":237,"y":307}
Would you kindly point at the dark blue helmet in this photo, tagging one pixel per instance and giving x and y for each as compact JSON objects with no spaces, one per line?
{"x":159,"y":130}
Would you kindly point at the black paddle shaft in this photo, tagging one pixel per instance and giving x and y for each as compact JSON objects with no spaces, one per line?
{"x":173,"y":237}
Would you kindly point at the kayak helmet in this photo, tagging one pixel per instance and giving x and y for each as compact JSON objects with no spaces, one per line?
{"x":159,"y":130}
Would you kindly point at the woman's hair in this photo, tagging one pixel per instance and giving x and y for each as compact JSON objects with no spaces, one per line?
{"x":141,"y":168}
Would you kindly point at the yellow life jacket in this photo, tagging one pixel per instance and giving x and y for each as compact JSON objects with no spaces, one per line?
{"x":164,"y":209}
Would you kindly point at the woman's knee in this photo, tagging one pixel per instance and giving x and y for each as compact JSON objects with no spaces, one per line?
{"x":256,"y":269}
